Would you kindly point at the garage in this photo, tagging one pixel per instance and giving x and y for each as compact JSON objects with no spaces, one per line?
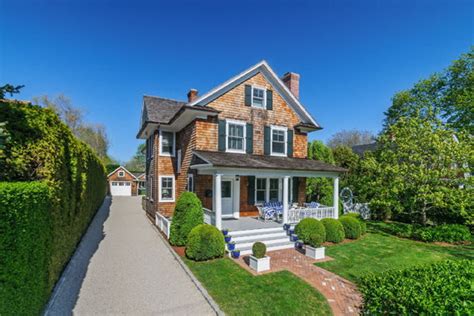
{"x":121,"y":188}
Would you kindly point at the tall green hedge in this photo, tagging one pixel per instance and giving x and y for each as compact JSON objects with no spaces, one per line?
{"x":188,"y":214}
{"x":40,"y":147}
{"x":25,"y":226}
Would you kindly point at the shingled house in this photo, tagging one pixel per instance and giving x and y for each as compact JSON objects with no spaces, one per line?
{"x":237,"y":146}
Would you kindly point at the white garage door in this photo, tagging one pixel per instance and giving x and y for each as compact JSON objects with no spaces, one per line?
{"x":121,"y":188}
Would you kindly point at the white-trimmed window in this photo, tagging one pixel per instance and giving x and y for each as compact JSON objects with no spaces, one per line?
{"x":167,"y":143}
{"x":121,"y":173}
{"x":190,"y":183}
{"x":178,"y":161}
{"x":268,"y":190}
{"x":278,"y":142}
{"x":166,"y":185}
{"x":236,"y":133}
{"x":261,"y":190}
{"x":259,"y":97}
{"x":274,"y":190}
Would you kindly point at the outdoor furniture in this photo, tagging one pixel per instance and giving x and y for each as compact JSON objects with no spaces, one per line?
{"x":265,"y":212}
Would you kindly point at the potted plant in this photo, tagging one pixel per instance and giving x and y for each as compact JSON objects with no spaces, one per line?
{"x":225,"y":231}
{"x":227,"y":238}
{"x":291,"y":231}
{"x":235,"y":253}
{"x":231,"y":246}
{"x":258,"y":260}
{"x":313,"y":247}
{"x":286,"y":226}
{"x":294,"y":237}
{"x":299,"y":244}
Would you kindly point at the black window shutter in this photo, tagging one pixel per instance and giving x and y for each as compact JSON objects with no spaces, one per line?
{"x":296,"y":183}
{"x":266,"y":141}
{"x":269,"y":100}
{"x":249,"y":138}
{"x":248,"y":95}
{"x":251,"y":190}
{"x":290,"y":143}
{"x":221,"y":142}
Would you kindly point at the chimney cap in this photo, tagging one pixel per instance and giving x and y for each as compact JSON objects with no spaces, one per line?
{"x":192,"y":95}
{"x":289,"y":74}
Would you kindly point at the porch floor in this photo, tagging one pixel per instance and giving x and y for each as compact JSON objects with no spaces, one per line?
{"x":247,"y":223}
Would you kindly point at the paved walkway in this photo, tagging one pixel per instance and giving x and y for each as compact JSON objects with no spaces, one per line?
{"x":123,"y":267}
{"x":341,"y":294}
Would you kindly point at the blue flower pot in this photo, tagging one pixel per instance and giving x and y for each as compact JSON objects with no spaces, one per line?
{"x":230,"y":246}
{"x":227,"y":239}
{"x":291,"y":231}
{"x":299,"y":244}
{"x":235,"y":254}
{"x":294,"y":237}
{"x":225,"y":232}
{"x":286,"y":226}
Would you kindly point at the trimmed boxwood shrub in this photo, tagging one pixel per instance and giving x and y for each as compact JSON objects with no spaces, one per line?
{"x":259,"y":249}
{"x":442,"y":288}
{"x":25,"y":226}
{"x":188,"y":214}
{"x":447,"y":233}
{"x":315,"y":239}
{"x":40,"y":147}
{"x":307,"y":226}
{"x":363,"y":225}
{"x":205,"y":242}
{"x":351,"y":226}
{"x":334,"y":230}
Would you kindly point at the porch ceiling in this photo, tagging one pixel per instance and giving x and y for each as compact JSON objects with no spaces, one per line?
{"x":203,"y":160}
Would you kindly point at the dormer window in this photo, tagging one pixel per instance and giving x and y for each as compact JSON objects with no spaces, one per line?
{"x":279,"y":140}
{"x":121,"y":174}
{"x":167,"y":143}
{"x":235,"y":136}
{"x":258,"y":97}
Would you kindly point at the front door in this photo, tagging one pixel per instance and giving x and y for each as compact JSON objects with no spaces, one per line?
{"x":227,"y":187}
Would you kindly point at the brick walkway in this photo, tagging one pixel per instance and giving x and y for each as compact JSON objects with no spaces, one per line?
{"x":341,"y":294}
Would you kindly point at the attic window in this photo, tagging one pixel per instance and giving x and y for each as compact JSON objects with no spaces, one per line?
{"x":258,"y":97}
{"x":121,"y":173}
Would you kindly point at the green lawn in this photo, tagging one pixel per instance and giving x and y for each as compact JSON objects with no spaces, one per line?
{"x":240,"y":293}
{"x":377,"y":252}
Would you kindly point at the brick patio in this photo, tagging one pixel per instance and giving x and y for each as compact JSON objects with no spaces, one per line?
{"x":341,"y":294}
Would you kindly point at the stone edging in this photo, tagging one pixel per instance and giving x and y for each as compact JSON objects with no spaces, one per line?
{"x":196,"y":282}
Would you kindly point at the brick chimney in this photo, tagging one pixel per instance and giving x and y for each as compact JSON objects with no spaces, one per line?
{"x":292,"y":81}
{"x":192,"y":95}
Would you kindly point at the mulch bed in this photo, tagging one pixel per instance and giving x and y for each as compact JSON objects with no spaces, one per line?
{"x":179,"y":250}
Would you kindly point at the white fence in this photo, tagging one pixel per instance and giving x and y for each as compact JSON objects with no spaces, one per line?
{"x":163,"y":223}
{"x":209,"y":216}
{"x":298,"y":213}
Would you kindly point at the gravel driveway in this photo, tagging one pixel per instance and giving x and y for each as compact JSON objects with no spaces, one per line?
{"x":123,"y":267}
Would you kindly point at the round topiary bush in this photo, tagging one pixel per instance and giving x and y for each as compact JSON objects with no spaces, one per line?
{"x":363,"y":225}
{"x":351,"y":226}
{"x":205,"y":242}
{"x":334,"y":230}
{"x":315,"y":239}
{"x":259,"y":249}
{"x":188,"y":213}
{"x":307,"y":226}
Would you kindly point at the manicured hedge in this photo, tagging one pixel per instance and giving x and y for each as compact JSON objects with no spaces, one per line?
{"x":40,"y":147}
{"x":334,"y":230}
{"x":443,"y":288}
{"x":351,"y":226}
{"x":25,"y":227}
{"x":205,"y":242}
{"x":259,"y":249}
{"x":188,"y":214}
{"x":307,"y":226}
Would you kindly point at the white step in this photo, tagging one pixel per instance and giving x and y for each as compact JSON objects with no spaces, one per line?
{"x":255,"y":231}
{"x":272,"y":248}
{"x":268,"y":243}
{"x":259,"y":236}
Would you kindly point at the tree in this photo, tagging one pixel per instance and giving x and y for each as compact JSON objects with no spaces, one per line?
{"x":350,"y":138}
{"x":320,"y":189}
{"x":418,"y":173}
{"x":94,"y":135}
{"x":11,"y":89}
{"x":448,"y":95}
{"x":137,"y":163}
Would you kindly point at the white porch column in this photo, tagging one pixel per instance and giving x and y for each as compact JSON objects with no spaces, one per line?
{"x":218,"y":200}
{"x":336,"y":197}
{"x":285,"y":199}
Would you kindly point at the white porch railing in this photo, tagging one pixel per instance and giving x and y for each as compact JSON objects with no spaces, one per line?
{"x":209,"y":216}
{"x":163,"y":223}
{"x":296,"y":214}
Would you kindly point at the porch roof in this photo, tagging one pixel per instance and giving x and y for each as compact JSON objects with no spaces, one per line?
{"x":247,"y":161}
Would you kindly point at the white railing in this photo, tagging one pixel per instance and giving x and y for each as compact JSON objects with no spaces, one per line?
{"x":163,"y":223}
{"x":209,"y":216}
{"x":296,"y":214}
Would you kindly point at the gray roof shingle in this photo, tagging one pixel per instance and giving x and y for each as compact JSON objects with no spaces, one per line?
{"x":160,"y":110}
{"x":232,"y":160}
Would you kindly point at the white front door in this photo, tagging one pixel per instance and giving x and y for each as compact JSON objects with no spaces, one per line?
{"x":121,"y":188}
{"x":227,"y":192}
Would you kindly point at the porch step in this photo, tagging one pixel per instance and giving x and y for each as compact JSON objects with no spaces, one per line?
{"x":259,"y":231}
{"x":262,"y":236}
{"x":272,"y":247}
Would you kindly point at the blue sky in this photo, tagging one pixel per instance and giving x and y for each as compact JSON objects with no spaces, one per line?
{"x":105,"y":55}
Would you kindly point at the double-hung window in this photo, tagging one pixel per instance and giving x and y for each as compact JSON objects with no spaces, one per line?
{"x":236,"y":133}
{"x":274,"y":190}
{"x":258,"y":97}
{"x":261,"y":190}
{"x":268,"y":190}
{"x":279,"y":141}
{"x":190,"y":183}
{"x":167,"y":143}
{"x":166,"y":189}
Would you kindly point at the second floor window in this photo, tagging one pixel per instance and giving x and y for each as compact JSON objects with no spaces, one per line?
{"x":258,"y":97}
{"x":278,"y":143}
{"x":167,"y":143}
{"x":236,"y":136}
